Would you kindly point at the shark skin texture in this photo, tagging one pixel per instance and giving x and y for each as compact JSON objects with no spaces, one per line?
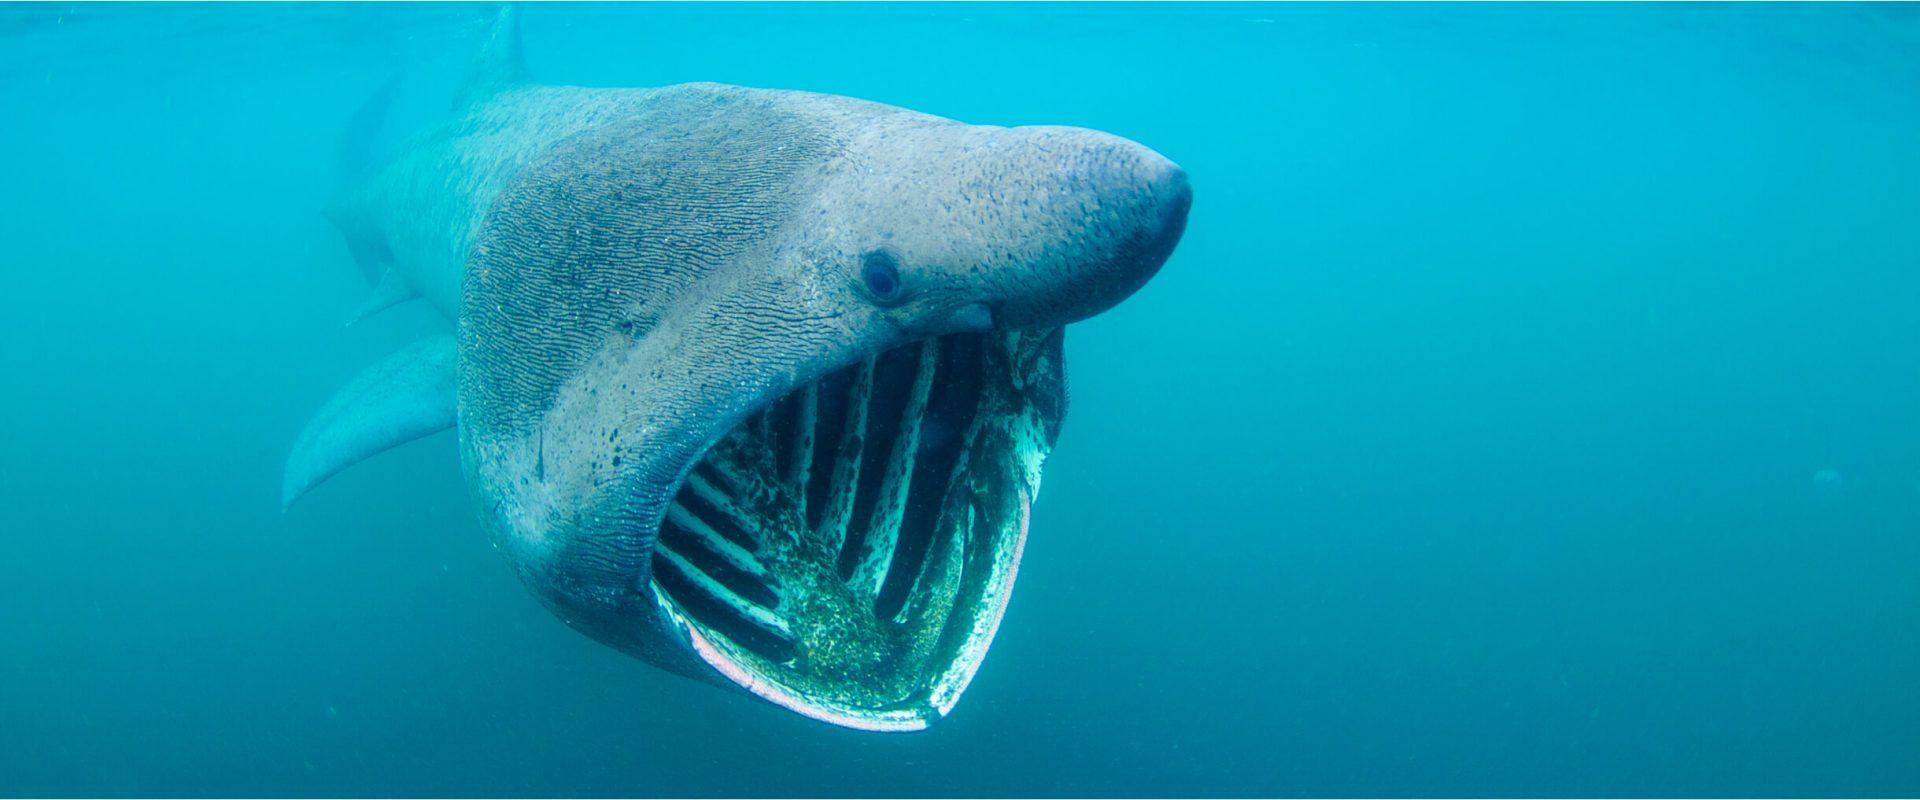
{"x":754,"y":385}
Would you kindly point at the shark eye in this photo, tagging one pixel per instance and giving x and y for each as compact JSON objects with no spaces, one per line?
{"x":880,"y":272}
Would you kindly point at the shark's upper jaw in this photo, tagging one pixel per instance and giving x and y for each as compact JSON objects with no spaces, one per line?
{"x":847,"y":552}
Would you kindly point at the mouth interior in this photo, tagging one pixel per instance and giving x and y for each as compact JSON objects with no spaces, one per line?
{"x":847,"y":551}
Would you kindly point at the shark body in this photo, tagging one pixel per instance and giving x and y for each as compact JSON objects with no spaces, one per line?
{"x":755,"y":385}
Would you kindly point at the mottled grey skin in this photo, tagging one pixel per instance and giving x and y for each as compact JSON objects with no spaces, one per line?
{"x":633,"y":271}
{"x":662,"y":262}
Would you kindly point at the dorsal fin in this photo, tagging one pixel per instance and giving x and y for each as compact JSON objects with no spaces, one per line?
{"x":355,"y":163}
{"x":499,"y":64}
{"x":355,"y":158}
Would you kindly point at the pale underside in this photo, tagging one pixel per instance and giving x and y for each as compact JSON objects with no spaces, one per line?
{"x":847,"y":552}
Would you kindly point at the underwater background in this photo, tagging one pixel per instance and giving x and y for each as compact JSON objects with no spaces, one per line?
{"x":1533,"y":407}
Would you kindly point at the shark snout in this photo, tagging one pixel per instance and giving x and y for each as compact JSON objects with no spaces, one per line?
{"x":1163,"y":196}
{"x":1114,"y":212}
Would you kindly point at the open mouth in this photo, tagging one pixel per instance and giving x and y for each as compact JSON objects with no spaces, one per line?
{"x":848,"y":550}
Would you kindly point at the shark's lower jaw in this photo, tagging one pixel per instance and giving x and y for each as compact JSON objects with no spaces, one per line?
{"x":848,"y":551}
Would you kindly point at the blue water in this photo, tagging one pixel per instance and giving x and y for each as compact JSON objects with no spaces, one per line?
{"x":1533,"y":407}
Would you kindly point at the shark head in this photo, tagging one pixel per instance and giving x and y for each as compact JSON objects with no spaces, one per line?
{"x":953,"y":227}
{"x":757,"y":385}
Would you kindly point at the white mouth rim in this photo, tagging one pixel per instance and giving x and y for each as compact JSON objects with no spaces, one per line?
{"x":946,"y":691}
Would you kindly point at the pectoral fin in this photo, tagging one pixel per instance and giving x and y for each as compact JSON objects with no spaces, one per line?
{"x":390,"y":291}
{"x":405,"y":396}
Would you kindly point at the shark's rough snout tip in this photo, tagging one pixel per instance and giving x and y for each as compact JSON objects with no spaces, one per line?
{"x":1169,"y":196}
{"x":1103,"y":214}
{"x":1176,"y":199}
{"x":1163,"y":196}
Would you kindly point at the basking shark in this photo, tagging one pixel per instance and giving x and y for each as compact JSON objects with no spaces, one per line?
{"x":753,"y":385}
